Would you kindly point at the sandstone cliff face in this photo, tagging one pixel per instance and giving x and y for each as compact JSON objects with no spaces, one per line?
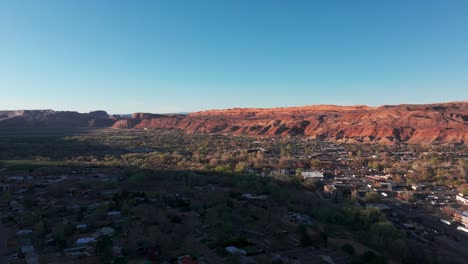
{"x":432,"y":123}
{"x":385,"y":124}
{"x":53,"y":120}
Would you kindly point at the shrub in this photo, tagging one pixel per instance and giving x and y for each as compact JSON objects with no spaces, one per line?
{"x":348,"y":248}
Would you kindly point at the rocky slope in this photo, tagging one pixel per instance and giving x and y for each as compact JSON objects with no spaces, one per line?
{"x":432,"y":123}
{"x":24,"y":121}
{"x":385,"y":124}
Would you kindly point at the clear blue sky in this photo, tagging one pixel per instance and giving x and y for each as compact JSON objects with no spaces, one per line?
{"x":171,"y":56}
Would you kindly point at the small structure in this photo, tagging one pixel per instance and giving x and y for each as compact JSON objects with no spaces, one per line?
{"x":331,"y":191}
{"x":27,"y":249}
{"x":312,"y":175}
{"x":24,"y":232}
{"x":85,"y":241}
{"x":31,"y":258}
{"x":461,"y":217}
{"x":4,"y":188}
{"x":235,"y":251}
{"x":462,"y":199}
{"x":81,"y":227}
{"x":418,"y":187}
{"x":250,"y":196}
{"x":300,"y":218}
{"x":105,"y":231}
{"x":113,"y":216}
{"x":187,"y":259}
{"x":246,"y":260}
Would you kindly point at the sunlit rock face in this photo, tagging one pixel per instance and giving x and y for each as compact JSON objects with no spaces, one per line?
{"x":434,"y":123}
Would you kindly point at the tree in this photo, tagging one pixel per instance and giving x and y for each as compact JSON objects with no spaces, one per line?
{"x":104,"y":249}
{"x":463,"y":189}
{"x":372,"y":197}
{"x":315,"y":163}
{"x":299,"y":172}
{"x":274,"y":191}
{"x":304,"y":235}
{"x":59,"y":236}
{"x":240,"y":167}
{"x":348,"y":248}
{"x":382,"y":234}
{"x":40,"y":229}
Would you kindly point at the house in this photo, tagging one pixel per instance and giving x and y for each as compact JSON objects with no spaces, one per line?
{"x":387,"y":185}
{"x":81,"y":227}
{"x":105,"y":231}
{"x":462,"y":199}
{"x":281,"y":172}
{"x":4,"y":187}
{"x":187,"y":259}
{"x":27,"y":249}
{"x":24,"y":232}
{"x":312,"y":175}
{"x":235,"y":251}
{"x":300,"y":218}
{"x":31,"y":258}
{"x":85,"y":241}
{"x":246,"y":260}
{"x":418,"y":187}
{"x":113,"y":215}
{"x":461,"y":217}
{"x":331,"y":191}
{"x":250,"y":196}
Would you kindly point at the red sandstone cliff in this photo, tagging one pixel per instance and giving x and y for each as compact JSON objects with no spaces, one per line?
{"x":385,"y":124}
{"x":431,"y":123}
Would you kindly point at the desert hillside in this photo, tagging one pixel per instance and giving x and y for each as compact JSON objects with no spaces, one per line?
{"x":385,"y":124}
{"x":430,"y":123}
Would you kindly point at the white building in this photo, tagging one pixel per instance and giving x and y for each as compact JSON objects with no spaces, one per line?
{"x":462,"y":199}
{"x":312,"y":175}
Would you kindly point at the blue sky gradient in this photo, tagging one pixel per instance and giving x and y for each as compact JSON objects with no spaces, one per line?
{"x":173,"y":56}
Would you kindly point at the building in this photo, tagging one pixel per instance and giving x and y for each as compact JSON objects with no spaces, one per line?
{"x":4,"y":188}
{"x":312,"y":175}
{"x":249,"y":196}
{"x":462,"y":199}
{"x":461,"y":217}
{"x":187,"y":259}
{"x":332,"y":192}
{"x":235,"y":251}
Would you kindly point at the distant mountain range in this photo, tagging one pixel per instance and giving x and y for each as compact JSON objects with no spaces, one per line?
{"x":426,"y":123}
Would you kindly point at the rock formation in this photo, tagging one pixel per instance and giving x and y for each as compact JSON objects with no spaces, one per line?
{"x":434,"y":123}
{"x":431,"y":123}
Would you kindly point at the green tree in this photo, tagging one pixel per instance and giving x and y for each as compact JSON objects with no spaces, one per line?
{"x":348,"y":248}
{"x":305,"y":238}
{"x":104,"y":249}
{"x":274,"y":191}
{"x":372,"y":197}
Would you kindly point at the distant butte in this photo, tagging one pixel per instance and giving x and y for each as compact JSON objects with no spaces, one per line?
{"x":409,"y":123}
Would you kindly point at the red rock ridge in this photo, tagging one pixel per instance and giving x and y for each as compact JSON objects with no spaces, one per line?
{"x":431,"y":123}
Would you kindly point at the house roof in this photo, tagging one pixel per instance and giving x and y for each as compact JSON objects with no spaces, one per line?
{"x":186,"y":260}
{"x":85,"y":240}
